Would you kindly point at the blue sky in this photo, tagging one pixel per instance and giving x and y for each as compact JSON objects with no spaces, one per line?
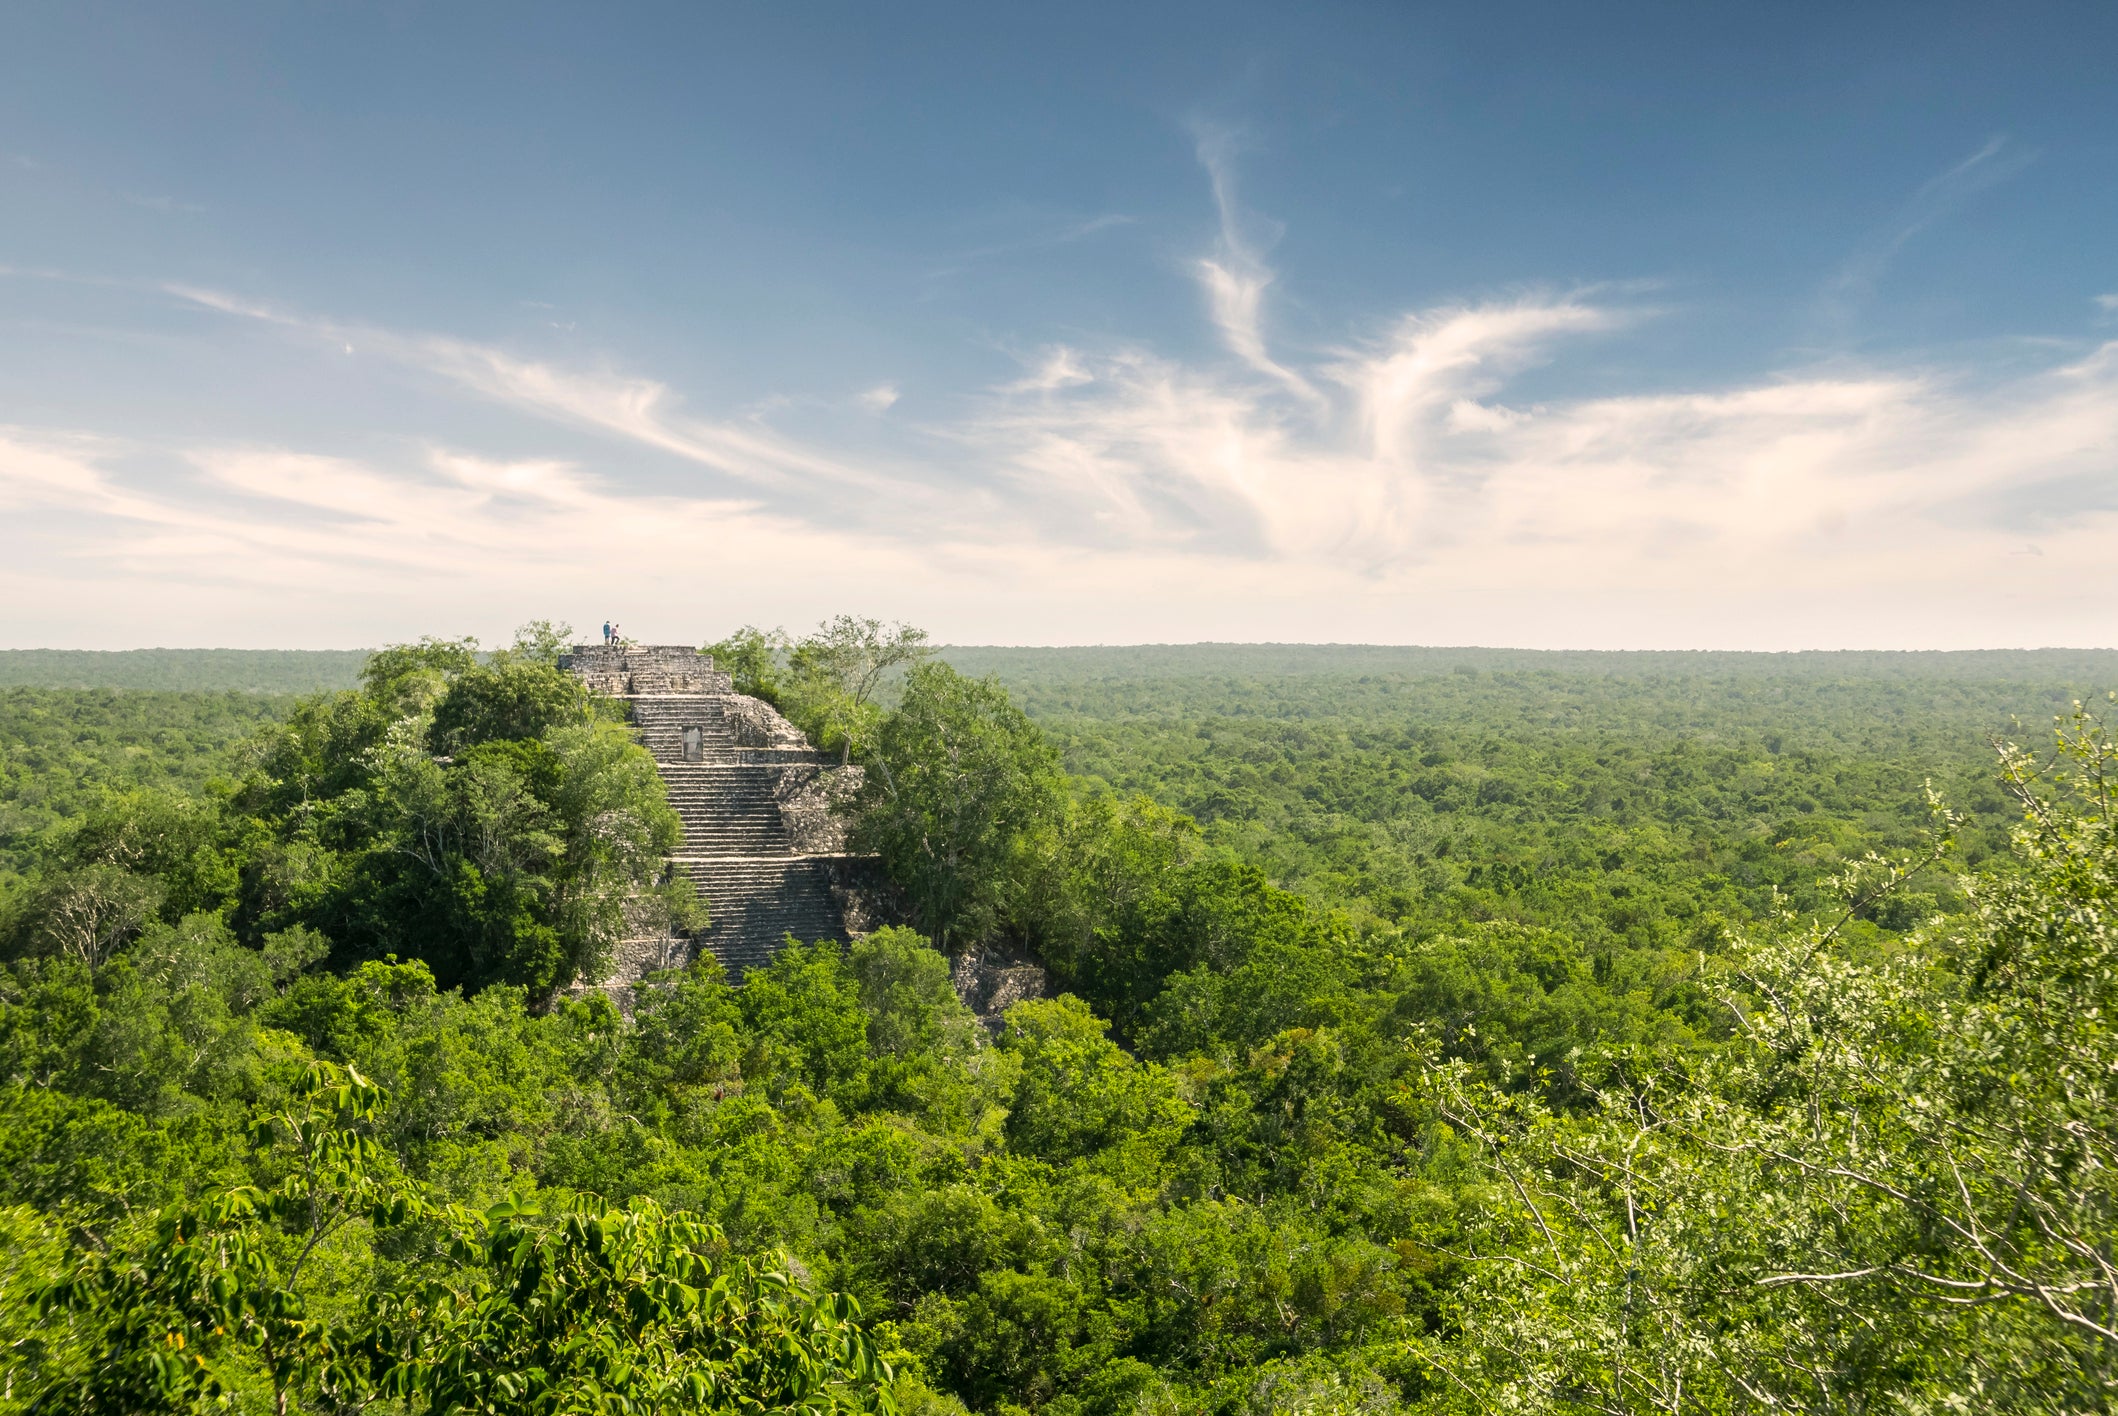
{"x":1763,"y":326}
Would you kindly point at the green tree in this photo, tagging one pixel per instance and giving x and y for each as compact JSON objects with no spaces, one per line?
{"x":542,"y":641}
{"x":834,"y":675}
{"x":754,"y":659}
{"x":589,"y":1310}
{"x":958,"y":782}
{"x":85,"y":914}
{"x":1894,"y":1187}
{"x":1081,"y":1097}
{"x":928,"y":1055}
{"x":479,"y":817}
{"x":596,"y":1309}
{"x":514,"y":699}
{"x":403,"y":680}
{"x":215,"y":1299}
{"x":806,"y":1025}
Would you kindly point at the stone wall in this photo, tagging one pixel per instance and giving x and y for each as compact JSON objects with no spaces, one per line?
{"x":752,"y":722}
{"x":622,"y":672}
{"x":991,"y":981}
{"x":813,"y":799}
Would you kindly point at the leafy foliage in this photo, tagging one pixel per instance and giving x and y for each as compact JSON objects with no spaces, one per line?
{"x":620,"y":1310}
{"x":830,"y":683}
{"x":1488,"y":1034}
{"x":959,"y":778}
{"x":600,"y":1311}
{"x":480,"y":816}
{"x":1896,"y":1179}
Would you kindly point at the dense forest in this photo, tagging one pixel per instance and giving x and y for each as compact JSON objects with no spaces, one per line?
{"x":278,"y":671}
{"x":1429,"y":1031}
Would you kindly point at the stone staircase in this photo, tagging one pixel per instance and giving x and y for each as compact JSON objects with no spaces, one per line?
{"x":761,"y":843}
{"x":758,"y":901}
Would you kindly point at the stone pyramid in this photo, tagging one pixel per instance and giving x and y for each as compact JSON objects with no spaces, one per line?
{"x":761,"y":840}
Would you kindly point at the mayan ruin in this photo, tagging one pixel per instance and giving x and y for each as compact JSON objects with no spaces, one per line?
{"x":761,"y":839}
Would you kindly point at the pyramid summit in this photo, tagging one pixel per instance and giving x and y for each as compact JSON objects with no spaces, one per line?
{"x":763,"y":841}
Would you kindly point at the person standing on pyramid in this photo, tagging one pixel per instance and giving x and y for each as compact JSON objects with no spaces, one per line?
{"x":606,"y":634}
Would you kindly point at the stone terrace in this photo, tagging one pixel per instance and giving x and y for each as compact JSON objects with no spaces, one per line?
{"x":761,"y":841}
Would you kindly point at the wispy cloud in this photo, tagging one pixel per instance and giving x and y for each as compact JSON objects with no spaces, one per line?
{"x":1047,"y":232}
{"x":1063,"y":231}
{"x":639,"y":410}
{"x":1994,"y":162}
{"x":1235,"y":276}
{"x":1405,"y":458}
{"x":272,"y":537}
{"x":1425,"y":472}
{"x":1334,"y":488}
{"x":228,"y":304}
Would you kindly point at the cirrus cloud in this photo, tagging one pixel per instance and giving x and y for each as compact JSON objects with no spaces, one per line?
{"x":1403,"y":486}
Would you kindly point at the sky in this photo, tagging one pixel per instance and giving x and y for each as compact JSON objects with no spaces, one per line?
{"x":1770,"y":326}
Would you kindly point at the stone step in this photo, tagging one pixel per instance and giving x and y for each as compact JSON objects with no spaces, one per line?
{"x":728,"y":803}
{"x":665,"y":709}
{"x":695,"y":815}
{"x":756,"y":761}
{"x":661,"y":727}
{"x":737,"y":848}
{"x":755,"y":903}
{"x":762,"y":782}
{"x":762,"y":809}
{"x":737,"y":779}
{"x":764,"y":806}
{"x":763,"y":786}
{"x":702,"y":841}
{"x":763,"y":812}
